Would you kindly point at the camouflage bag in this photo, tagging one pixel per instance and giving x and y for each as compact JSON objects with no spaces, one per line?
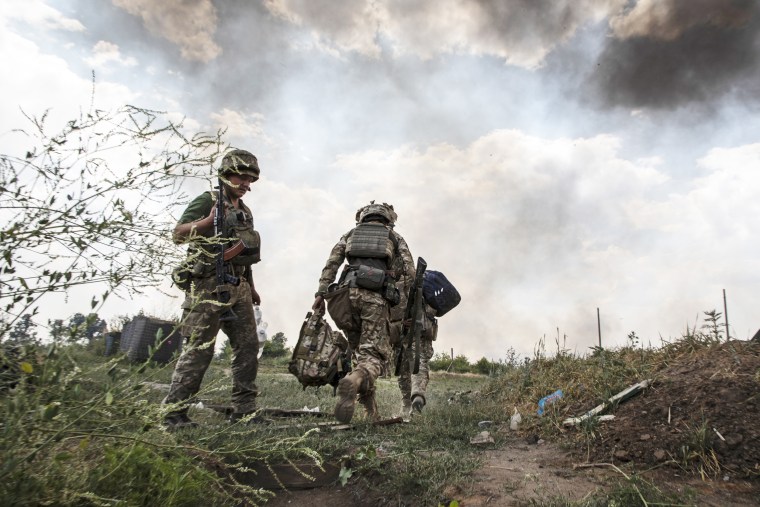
{"x":321,"y":355}
{"x":339,"y":307}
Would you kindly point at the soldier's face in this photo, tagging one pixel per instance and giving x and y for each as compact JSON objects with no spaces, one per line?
{"x":239,"y":184}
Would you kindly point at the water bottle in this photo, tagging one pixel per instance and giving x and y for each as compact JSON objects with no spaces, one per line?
{"x":548,"y":400}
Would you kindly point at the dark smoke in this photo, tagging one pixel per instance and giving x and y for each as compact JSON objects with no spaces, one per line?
{"x":705,"y":63}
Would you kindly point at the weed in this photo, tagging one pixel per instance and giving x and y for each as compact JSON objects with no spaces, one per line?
{"x":697,"y":451}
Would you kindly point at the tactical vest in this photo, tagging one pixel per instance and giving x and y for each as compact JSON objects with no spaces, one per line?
{"x":238,"y":225}
{"x":370,"y":243}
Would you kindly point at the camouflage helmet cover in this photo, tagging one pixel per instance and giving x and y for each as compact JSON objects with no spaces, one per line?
{"x":240,"y":162}
{"x":385,"y":210}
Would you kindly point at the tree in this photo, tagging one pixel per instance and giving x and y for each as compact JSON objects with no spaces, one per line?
{"x":276,"y":346}
{"x":86,"y":205}
{"x":483,"y":366}
{"x":85,"y":328}
{"x":24,"y":331}
{"x":58,"y":331}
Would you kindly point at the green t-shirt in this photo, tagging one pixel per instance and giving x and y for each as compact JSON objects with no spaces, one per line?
{"x":198,"y":209}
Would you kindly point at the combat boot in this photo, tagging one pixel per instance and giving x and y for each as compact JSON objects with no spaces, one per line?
{"x":348,"y":387}
{"x":418,"y":402}
{"x":178,"y":420}
{"x":370,"y":405}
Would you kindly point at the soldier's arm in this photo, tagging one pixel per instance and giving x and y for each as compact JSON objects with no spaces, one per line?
{"x":334,"y":262}
{"x":406,"y":258}
{"x":197,"y":220}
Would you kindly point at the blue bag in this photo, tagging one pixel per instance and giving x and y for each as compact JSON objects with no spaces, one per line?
{"x":439,"y":293}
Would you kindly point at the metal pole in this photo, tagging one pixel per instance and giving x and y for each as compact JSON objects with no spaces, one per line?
{"x":725,"y":314}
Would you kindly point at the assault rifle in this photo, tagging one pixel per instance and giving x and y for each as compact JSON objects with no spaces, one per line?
{"x":414,"y":319}
{"x":222,"y":277}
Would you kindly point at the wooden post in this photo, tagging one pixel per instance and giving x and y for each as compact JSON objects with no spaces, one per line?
{"x":599,"y":326}
{"x":725,"y":314}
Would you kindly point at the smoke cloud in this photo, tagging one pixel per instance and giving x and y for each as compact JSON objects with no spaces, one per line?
{"x":190,"y":24}
{"x":672,"y":54}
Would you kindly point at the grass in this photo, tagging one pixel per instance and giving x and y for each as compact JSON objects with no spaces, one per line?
{"x":81,"y":429}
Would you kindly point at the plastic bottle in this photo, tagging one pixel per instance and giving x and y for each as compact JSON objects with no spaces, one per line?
{"x":548,"y":400}
{"x":515,"y":420}
{"x":261,"y":328}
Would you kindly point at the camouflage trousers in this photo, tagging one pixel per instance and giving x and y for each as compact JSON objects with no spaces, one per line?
{"x":412,"y":384}
{"x":371,"y":346}
{"x":199,"y":326}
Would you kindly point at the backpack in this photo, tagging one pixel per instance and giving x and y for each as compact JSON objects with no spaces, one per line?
{"x":321,"y":355}
{"x":439,"y":293}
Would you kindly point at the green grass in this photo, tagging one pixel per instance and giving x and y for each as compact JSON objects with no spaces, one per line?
{"x":81,"y":429}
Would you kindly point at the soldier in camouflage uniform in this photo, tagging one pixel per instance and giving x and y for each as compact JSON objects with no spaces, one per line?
{"x":413,"y":386}
{"x":201,"y":309}
{"x":368,"y":283}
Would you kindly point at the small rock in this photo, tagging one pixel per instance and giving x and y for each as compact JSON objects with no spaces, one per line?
{"x":733,"y":440}
{"x":621,"y":454}
{"x":484,"y":424}
{"x":540,"y":441}
{"x":481,"y":438}
{"x":645,"y":436}
{"x":660,"y":455}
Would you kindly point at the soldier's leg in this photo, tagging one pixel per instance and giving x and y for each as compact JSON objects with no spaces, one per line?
{"x":405,"y":385}
{"x":373,"y":351}
{"x":404,"y":380}
{"x":199,"y":327}
{"x":419,"y":381}
{"x":245,"y":350}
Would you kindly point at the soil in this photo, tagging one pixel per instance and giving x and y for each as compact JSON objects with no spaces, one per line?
{"x":694,"y":433}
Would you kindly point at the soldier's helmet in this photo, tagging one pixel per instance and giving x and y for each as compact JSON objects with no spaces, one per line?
{"x":240,"y":162}
{"x":372,"y":210}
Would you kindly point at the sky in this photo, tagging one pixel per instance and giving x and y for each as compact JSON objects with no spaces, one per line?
{"x":558,"y":161}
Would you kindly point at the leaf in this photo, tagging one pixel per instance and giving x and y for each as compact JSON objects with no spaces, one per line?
{"x":84,"y":443}
{"x":27,"y":367}
{"x":50,"y":411}
{"x":109,"y":398}
{"x":345,"y":474}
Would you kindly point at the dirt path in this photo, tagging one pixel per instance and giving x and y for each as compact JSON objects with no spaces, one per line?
{"x":520,"y":473}
{"x":515,"y":474}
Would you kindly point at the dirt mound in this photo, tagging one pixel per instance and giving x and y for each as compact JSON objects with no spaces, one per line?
{"x":701,"y":414}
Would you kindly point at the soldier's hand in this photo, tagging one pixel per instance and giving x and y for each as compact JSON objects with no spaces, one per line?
{"x":255,"y":297}
{"x":319,"y":304}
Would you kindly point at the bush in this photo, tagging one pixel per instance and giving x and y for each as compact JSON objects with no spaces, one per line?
{"x":439,"y":362}
{"x":276,"y":346}
{"x":442,"y":362}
